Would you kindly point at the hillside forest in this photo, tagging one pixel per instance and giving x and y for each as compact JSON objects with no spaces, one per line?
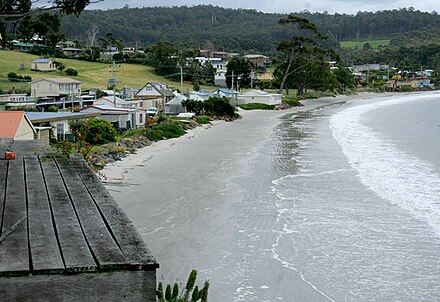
{"x":414,"y":36}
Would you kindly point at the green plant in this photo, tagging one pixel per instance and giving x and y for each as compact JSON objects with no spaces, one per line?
{"x":292,"y":102}
{"x":190,"y":293}
{"x":164,"y":130}
{"x":52,"y":108}
{"x":100,"y":131}
{"x":203,"y":120}
{"x":253,"y":106}
{"x":65,"y":147}
{"x":71,"y":72}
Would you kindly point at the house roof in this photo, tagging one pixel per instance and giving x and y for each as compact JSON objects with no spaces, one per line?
{"x":10,"y":122}
{"x":165,"y":92}
{"x":258,"y":92}
{"x":41,"y":60}
{"x":225,"y":91}
{"x":43,"y":117}
{"x":106,"y":109}
{"x":58,"y":80}
{"x":177,"y":99}
{"x":22,"y":44}
{"x":255,"y":56}
{"x":119,"y":101}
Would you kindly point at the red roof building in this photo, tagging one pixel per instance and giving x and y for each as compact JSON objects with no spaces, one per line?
{"x":16,"y":125}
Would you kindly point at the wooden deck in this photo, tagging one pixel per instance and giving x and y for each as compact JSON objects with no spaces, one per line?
{"x":60,"y":227}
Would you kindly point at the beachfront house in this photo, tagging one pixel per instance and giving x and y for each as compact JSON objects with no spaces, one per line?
{"x":57,"y":122}
{"x":259,"y":96}
{"x":16,"y":125}
{"x":225,"y":93}
{"x":117,"y":102}
{"x":201,"y":95}
{"x":157,"y":93}
{"x":121,"y":118}
{"x":175,"y":105}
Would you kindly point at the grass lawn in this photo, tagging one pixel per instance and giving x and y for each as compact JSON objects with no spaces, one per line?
{"x":91,"y":74}
{"x":360,"y":44}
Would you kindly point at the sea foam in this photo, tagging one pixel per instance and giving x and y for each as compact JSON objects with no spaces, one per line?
{"x":394,"y":175}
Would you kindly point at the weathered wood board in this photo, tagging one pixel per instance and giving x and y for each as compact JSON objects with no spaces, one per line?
{"x":63,"y":237}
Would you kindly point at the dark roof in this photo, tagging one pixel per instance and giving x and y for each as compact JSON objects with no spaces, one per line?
{"x":58,"y":218}
{"x":165,"y":92}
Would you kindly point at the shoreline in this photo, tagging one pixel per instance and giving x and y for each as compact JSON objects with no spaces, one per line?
{"x":115,"y":173}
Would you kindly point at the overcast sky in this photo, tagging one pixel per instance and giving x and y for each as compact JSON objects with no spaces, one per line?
{"x":285,"y":6}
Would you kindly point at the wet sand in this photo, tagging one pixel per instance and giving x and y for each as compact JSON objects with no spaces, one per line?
{"x":181,"y":197}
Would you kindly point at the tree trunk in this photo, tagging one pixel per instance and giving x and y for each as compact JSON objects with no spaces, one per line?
{"x":286,"y":73}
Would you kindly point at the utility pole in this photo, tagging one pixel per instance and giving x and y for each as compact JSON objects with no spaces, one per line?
{"x":112,"y":82}
{"x":232,"y":81}
{"x":181,"y":78}
{"x":252,"y":79}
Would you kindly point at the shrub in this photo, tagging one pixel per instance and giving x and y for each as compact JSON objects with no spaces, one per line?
{"x":99,"y":131}
{"x":52,"y":108}
{"x":164,"y":131}
{"x":71,"y":72}
{"x":13,"y":77}
{"x":203,"y":120}
{"x":253,"y":106}
{"x":292,"y":102}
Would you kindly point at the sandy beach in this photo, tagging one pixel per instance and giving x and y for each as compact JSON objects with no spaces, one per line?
{"x":181,"y":195}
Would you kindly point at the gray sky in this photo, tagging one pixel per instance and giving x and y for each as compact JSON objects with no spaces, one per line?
{"x":285,"y":6}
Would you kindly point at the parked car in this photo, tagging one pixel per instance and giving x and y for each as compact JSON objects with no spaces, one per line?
{"x":152,"y":111}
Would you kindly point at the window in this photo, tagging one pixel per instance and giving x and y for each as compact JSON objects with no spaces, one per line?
{"x":50,"y":87}
{"x":148,"y":88}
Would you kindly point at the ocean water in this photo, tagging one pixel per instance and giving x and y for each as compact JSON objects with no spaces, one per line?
{"x":341,"y":203}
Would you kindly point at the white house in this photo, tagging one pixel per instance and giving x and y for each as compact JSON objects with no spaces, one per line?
{"x":117,"y":102}
{"x":220,"y":78}
{"x":201,"y":95}
{"x":175,"y":105}
{"x":14,"y":101}
{"x":158,"y":91}
{"x":121,"y":118}
{"x":259,"y":96}
{"x":43,"y":65}
{"x":225,"y":93}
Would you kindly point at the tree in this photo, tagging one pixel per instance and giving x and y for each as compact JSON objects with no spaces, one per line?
{"x":344,"y":76}
{"x":71,"y":72}
{"x":94,"y":131}
{"x":23,"y":18}
{"x":238,"y":73}
{"x":162,"y":56}
{"x":60,"y":66}
{"x":299,"y":48}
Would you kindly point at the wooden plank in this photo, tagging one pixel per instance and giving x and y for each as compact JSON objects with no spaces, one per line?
{"x":122,"y":228}
{"x":3,"y":175}
{"x":103,"y":246}
{"x":14,"y":252}
{"x":74,"y":249}
{"x":115,"y":286}
{"x":45,"y":252}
